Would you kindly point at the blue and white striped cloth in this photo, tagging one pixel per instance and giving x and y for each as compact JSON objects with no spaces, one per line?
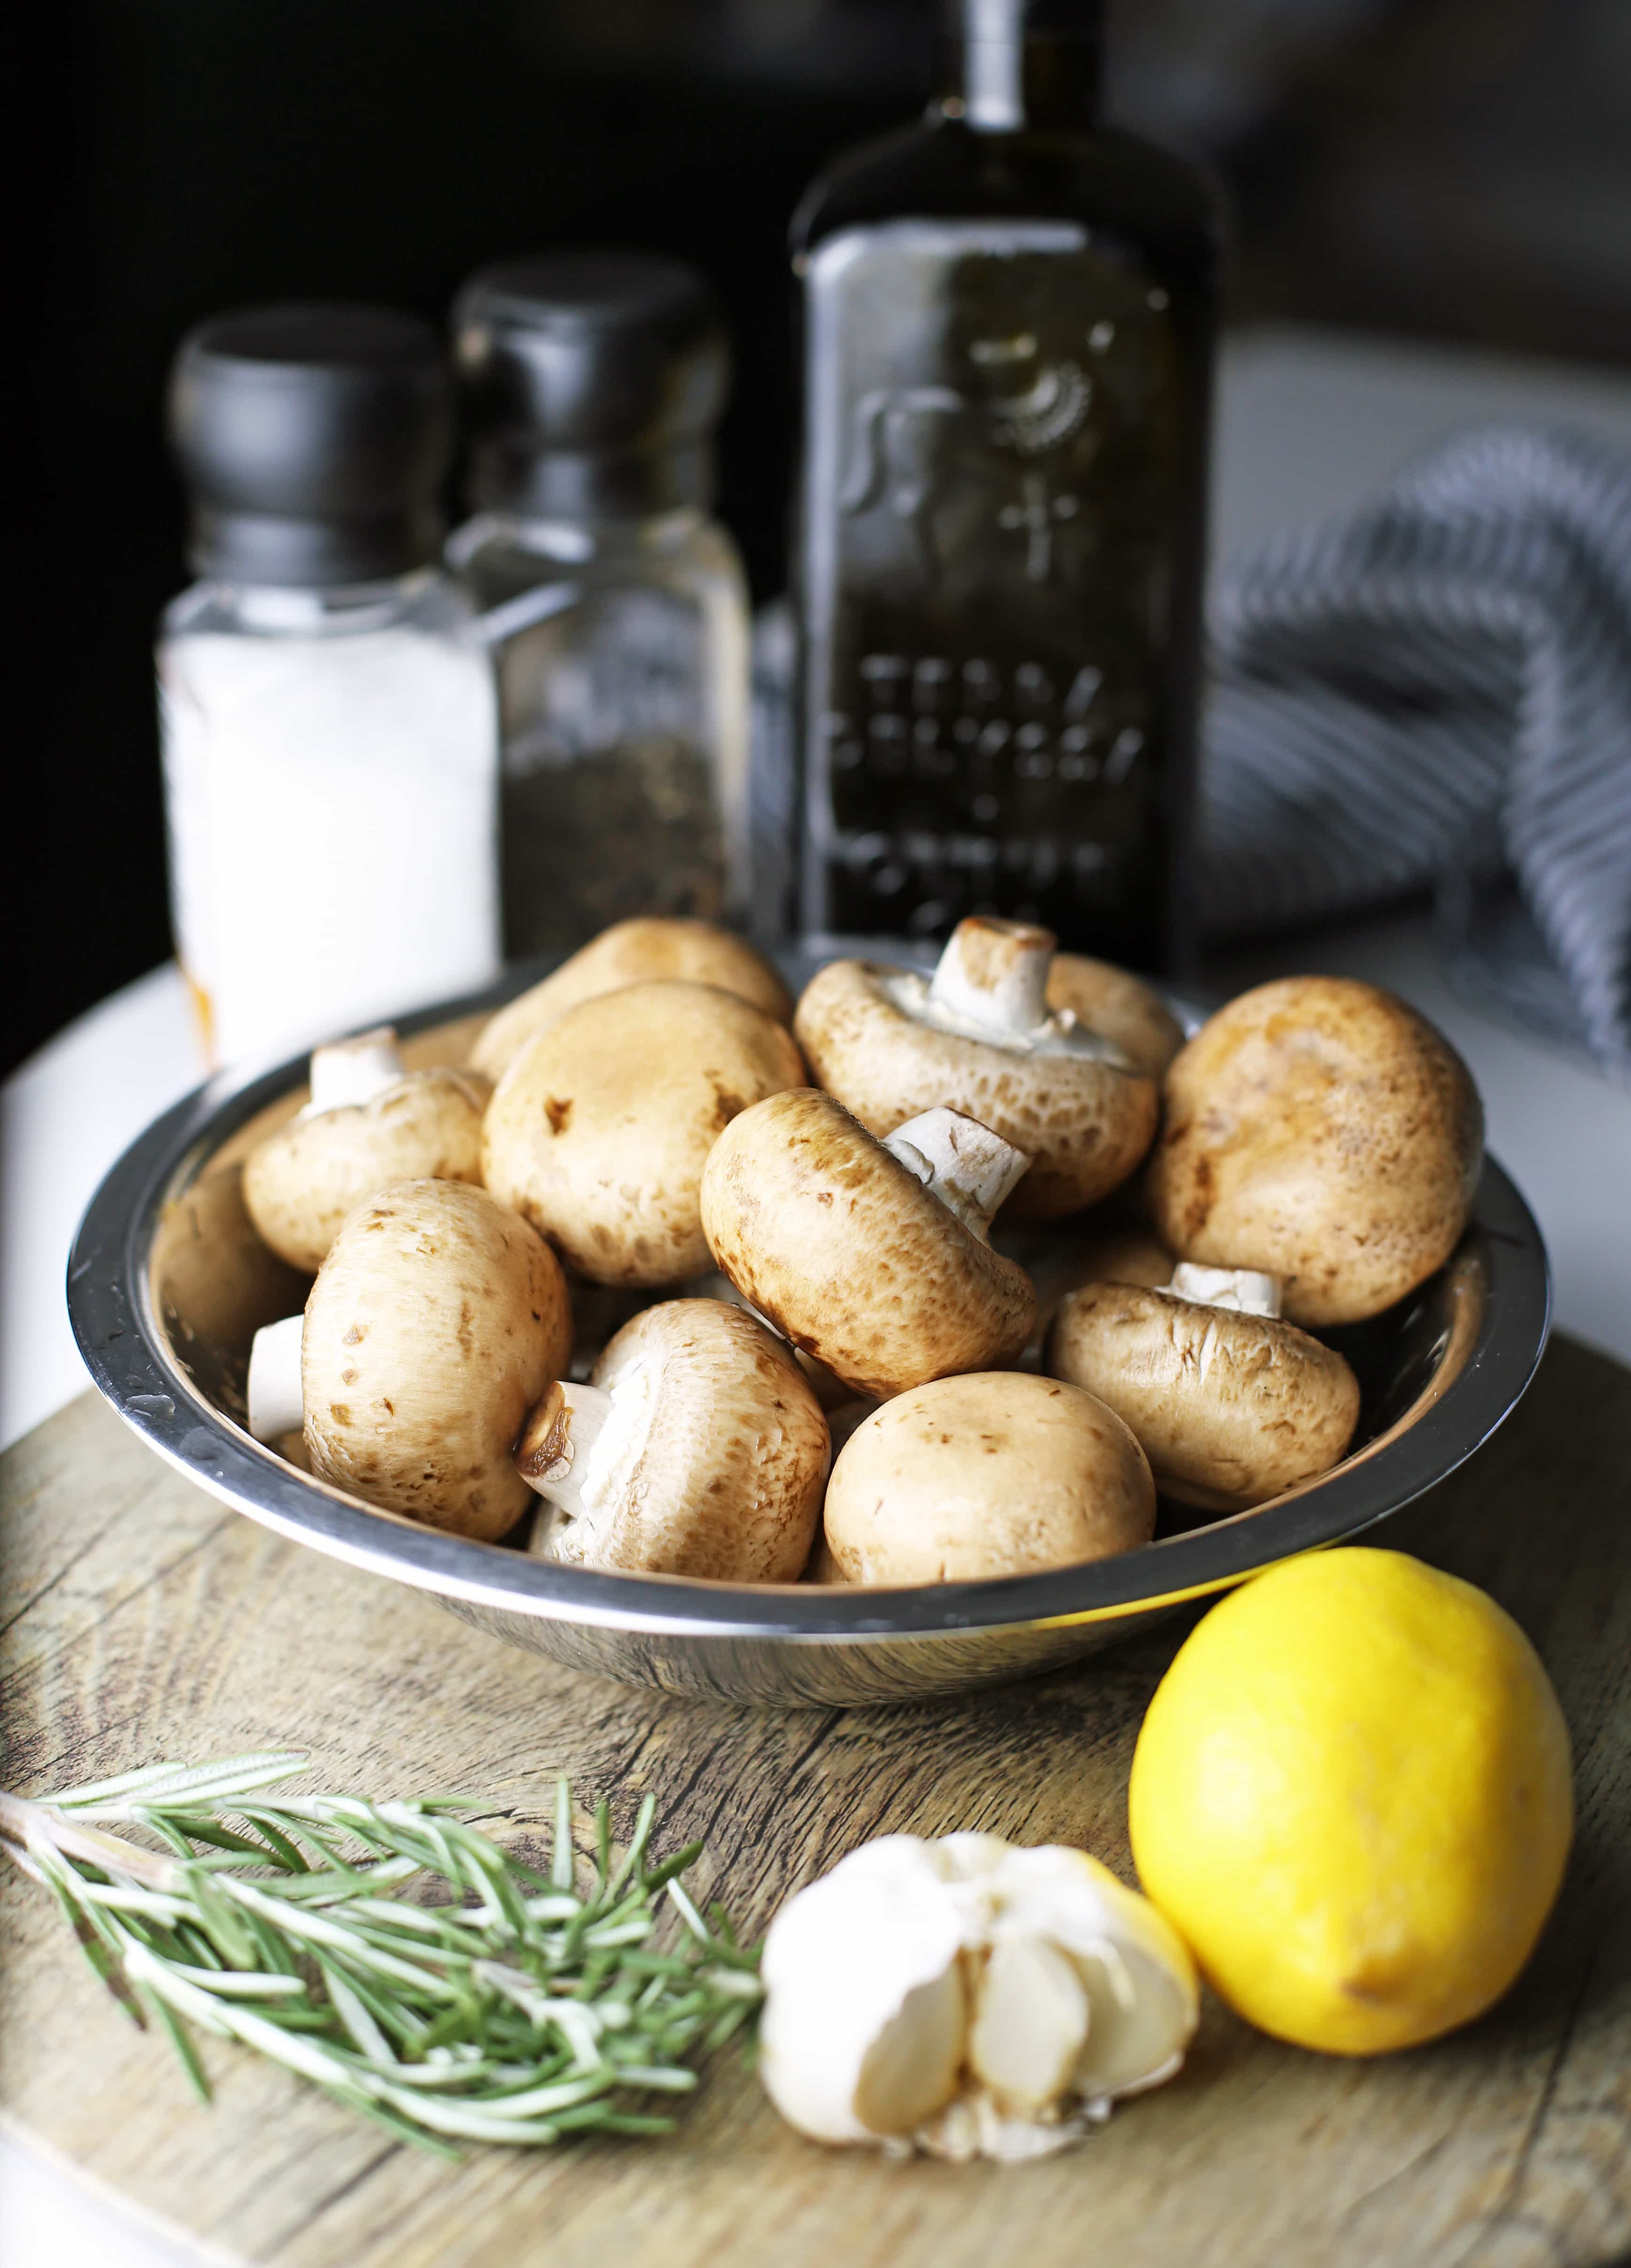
{"x":1435,"y":692}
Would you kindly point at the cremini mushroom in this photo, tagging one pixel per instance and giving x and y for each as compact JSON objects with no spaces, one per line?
{"x":632,"y":953}
{"x":830,"y":1390}
{"x":871,"y":1257}
{"x":370,"y":1121}
{"x":436,"y":1321}
{"x":696,"y":1449}
{"x":599,"y":1129}
{"x":1319,"y":1130}
{"x":1230,"y":1405}
{"x":1118,"y":1005}
{"x":999,"y":1473}
{"x":979,"y":1037}
{"x":971,"y":1997}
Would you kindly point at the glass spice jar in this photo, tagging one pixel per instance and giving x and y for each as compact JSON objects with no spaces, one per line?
{"x":614,"y":605}
{"x":329,"y":723}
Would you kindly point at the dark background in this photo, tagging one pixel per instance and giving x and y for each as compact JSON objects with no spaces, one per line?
{"x":1457,"y":168}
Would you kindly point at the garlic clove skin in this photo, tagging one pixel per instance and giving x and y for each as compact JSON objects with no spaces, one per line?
{"x":865,"y":2016}
{"x":971,"y":1854}
{"x":1030,"y":2024}
{"x":911,"y":2070}
{"x":1141,"y":2024}
{"x":969,"y":1997}
{"x":974,"y":2126}
{"x":1143,"y":1991}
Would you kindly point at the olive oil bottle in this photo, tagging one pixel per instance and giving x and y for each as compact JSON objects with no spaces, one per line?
{"x":1008,"y":317}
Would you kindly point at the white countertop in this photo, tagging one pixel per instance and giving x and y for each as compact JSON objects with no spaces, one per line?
{"x":1308,"y":423}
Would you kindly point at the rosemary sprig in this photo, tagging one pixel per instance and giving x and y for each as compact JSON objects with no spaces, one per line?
{"x":524,"y":2008}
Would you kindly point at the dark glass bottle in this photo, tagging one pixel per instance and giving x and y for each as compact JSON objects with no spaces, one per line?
{"x":1009,"y":321}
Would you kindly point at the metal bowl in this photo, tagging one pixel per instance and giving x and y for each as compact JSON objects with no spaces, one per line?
{"x":168,"y":1282}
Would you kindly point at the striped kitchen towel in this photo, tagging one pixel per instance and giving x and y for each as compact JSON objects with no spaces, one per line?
{"x":1435,"y":692}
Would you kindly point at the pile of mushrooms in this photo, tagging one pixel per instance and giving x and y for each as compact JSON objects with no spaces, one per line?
{"x":859,"y":1296}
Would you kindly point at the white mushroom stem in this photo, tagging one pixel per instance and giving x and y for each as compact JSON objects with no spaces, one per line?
{"x":578,"y":1444}
{"x":276,"y":1406}
{"x":348,"y":1072}
{"x":994,"y":973}
{"x":1243,"y":1290}
{"x":992,"y":984}
{"x":967,"y":1166}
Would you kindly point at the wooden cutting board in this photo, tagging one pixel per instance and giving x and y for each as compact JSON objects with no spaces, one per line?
{"x":144,"y":1621}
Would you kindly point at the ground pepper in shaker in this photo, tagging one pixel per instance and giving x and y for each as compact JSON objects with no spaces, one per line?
{"x":615,"y":606}
{"x":330,"y":725}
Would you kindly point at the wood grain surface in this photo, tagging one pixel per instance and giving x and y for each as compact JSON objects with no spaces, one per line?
{"x":144,"y":1621}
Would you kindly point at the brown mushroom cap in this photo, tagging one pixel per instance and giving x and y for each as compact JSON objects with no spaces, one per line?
{"x":1231,"y":1409}
{"x":1000,"y":1473}
{"x":436,"y":1321}
{"x":848,"y":1255}
{"x":1084,"y":1124}
{"x":599,"y":1130}
{"x":1319,"y":1130}
{"x":830,"y":1392}
{"x":302,"y":1180}
{"x":658,"y":946}
{"x":1120,"y":1005}
{"x":720,"y":1475}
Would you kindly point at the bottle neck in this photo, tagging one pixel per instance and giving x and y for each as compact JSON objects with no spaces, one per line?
{"x":1012,"y":64}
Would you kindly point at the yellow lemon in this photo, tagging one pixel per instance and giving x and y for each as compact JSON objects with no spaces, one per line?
{"x":1352,"y":1794}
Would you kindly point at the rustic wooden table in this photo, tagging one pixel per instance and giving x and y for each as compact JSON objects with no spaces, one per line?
{"x":144,"y":1621}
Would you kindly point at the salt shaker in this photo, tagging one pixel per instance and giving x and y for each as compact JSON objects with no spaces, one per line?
{"x":330,"y":724}
{"x":613,"y":604}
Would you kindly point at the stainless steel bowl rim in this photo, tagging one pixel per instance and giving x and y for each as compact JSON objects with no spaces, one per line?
{"x":123,"y":1344}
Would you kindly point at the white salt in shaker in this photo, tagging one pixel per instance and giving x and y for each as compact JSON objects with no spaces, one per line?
{"x":329,"y":726}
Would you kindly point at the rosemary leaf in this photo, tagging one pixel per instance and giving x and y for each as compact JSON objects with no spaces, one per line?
{"x":181,"y":2041}
{"x":283,"y":1847}
{"x":561,"y":1872}
{"x":513,"y":2006}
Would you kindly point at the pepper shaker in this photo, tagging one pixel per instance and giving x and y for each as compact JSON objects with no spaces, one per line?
{"x":614,"y":605}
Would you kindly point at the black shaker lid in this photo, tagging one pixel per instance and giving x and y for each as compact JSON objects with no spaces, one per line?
{"x":312,"y":439}
{"x":591,"y":382}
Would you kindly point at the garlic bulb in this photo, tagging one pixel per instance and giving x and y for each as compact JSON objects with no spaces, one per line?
{"x":969,"y":1997}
